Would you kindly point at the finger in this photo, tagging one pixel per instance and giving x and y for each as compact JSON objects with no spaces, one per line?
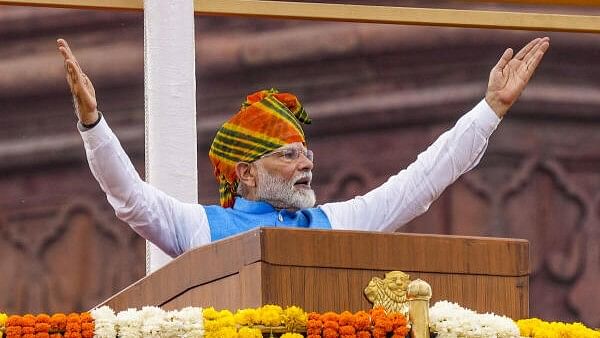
{"x":533,"y":62}
{"x":65,"y":50}
{"x":504,"y":59}
{"x":542,"y":43}
{"x":521,"y":54}
{"x":74,"y":73}
{"x":82,"y":87}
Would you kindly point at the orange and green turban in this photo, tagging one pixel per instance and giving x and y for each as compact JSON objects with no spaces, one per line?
{"x":266,"y":121}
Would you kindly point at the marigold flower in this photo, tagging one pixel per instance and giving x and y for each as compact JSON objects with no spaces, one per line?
{"x":58,"y":322}
{"x":247,"y":317}
{"x":313,"y":336}
{"x":13,"y":331}
{"x":271,"y":315}
{"x":347,"y":330}
{"x":314,"y":316}
{"x":294,"y":318}
{"x":331,"y":325}
{"x":363,"y":334}
{"x":291,"y":335}
{"x":42,"y":327}
{"x":330,"y":333}
{"x":3,"y":318}
{"x":210,"y":313}
{"x":362,"y":321}
{"x":330,"y":316}
{"x":379,"y":332}
{"x":247,"y":332}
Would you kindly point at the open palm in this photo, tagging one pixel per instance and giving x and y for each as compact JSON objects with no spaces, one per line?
{"x":511,"y":74}
{"x":84,"y":95}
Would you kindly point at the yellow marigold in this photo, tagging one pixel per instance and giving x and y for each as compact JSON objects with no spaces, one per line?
{"x":291,"y":335}
{"x":294,"y":318}
{"x":225,"y":314}
{"x":226,"y":321}
{"x":226,"y":332}
{"x":211,"y":325}
{"x":539,"y":329}
{"x":271,"y":315}
{"x":3,"y":318}
{"x":247,"y":317}
{"x":210,"y":313}
{"x":247,"y":332}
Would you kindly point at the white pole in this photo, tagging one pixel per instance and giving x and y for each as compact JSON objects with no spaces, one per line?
{"x":170,"y":95}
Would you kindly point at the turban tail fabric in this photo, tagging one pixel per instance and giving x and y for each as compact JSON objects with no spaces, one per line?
{"x":266,"y":121}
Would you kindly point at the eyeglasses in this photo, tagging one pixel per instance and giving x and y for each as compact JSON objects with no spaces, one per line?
{"x":291,"y":154}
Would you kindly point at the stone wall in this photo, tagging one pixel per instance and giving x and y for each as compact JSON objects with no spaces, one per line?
{"x":378,"y":94}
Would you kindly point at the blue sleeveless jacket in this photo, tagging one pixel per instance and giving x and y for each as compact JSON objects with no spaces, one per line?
{"x":246,"y":215}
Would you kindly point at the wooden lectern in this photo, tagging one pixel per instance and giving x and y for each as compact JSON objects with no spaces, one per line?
{"x":325,"y":270}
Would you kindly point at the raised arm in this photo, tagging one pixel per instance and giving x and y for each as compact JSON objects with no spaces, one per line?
{"x":410,"y":192}
{"x":84,"y":95}
{"x":511,"y":74}
{"x":172,"y":225}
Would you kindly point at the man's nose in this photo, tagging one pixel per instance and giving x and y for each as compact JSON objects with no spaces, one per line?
{"x":304,"y":163}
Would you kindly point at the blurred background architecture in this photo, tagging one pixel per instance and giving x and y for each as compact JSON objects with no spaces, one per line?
{"x":378,"y":95}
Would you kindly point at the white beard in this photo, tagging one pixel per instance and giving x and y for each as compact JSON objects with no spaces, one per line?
{"x":283,"y":194}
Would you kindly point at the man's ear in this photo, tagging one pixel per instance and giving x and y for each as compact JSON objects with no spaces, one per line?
{"x":246,"y":174}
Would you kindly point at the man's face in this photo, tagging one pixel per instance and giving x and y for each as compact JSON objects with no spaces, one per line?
{"x":284,"y":178}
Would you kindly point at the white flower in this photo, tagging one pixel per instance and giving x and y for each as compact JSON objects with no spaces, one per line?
{"x":193,"y":321}
{"x":450,"y":320}
{"x":104,"y":322}
{"x":152,"y":320}
{"x":172,"y":326}
{"x":129,"y":323}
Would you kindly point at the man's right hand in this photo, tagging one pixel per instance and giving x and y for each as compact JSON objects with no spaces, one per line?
{"x":84,"y":96}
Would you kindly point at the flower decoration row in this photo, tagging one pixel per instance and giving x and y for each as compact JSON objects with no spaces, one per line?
{"x":190,"y":322}
{"x":450,"y":320}
{"x":537,"y":328}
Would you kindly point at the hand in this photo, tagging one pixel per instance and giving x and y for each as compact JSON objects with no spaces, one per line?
{"x":84,"y":95}
{"x":511,"y":74}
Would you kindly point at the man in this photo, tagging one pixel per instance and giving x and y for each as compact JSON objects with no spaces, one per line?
{"x":264,"y":168}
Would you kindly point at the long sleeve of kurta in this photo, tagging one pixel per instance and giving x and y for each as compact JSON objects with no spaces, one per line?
{"x":409,"y":193}
{"x":176,"y":227}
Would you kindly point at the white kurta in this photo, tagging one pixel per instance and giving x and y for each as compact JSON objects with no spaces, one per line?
{"x":176,"y":227}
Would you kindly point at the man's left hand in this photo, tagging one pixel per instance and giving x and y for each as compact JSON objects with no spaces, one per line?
{"x":511,"y":74}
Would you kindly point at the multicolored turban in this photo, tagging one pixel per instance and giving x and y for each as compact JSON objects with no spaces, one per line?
{"x":266,"y":121}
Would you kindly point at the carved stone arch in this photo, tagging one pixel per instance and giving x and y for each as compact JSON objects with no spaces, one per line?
{"x":566,"y":265}
{"x":86,"y":242}
{"x":348,"y":184}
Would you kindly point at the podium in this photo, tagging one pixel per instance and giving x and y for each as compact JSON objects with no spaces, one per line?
{"x":327,"y":270}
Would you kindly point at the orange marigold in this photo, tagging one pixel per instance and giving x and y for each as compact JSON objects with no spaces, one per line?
{"x":313,"y":327}
{"x":42,"y":318}
{"x":362,"y":321}
{"x":86,"y":317}
{"x":379,"y":332}
{"x":377,"y":312}
{"x":42,"y":335}
{"x":363,"y":334}
{"x":347,"y":330}
{"x":330,"y":316}
{"x":346,"y":318}
{"x":58,"y":322}
{"x":400,"y":332}
{"x":13,"y":331}
{"x":384,"y":323}
{"x":42,"y":327}
{"x":330,"y":333}
{"x":313,"y":336}
{"x":331,"y":325}
{"x":314,"y":316}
